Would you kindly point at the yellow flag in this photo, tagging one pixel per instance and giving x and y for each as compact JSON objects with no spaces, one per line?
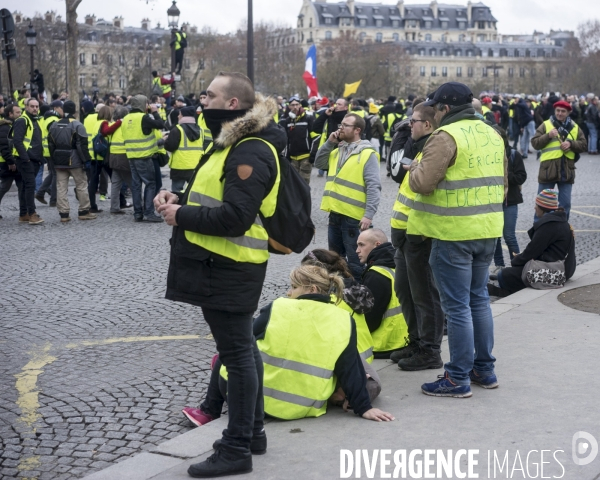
{"x":351,"y":88}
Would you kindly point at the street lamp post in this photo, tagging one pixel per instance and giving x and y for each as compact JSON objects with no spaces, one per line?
{"x":250,"y":68}
{"x":173,"y":16}
{"x":31,"y":35}
{"x":495,"y":67}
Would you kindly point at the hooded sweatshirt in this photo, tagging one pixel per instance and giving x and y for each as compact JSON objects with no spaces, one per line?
{"x":380,"y":286}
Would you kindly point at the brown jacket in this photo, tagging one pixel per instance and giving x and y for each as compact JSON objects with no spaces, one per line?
{"x":439,"y":153}
{"x":550,"y":170}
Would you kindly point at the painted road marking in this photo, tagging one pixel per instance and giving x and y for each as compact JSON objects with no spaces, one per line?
{"x":28,"y":393}
{"x":586,"y":214}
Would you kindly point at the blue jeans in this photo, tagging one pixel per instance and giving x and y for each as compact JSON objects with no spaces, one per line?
{"x":528,"y":132}
{"x":460,"y":270}
{"x":142,"y":172}
{"x":564,"y":195}
{"x":511,"y":213}
{"x":39,"y":177}
{"x":593,"y":137}
{"x":177,"y":185}
{"x":342,"y":236}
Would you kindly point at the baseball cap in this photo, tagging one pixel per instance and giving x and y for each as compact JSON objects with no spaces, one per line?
{"x":56,"y":104}
{"x":451,"y":93}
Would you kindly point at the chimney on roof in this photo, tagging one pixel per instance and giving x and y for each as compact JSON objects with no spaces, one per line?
{"x":118,"y":22}
{"x":350,"y":6}
{"x":146,"y":24}
{"x":434,"y":8}
{"x":50,"y":16}
{"x":401,"y":7}
{"x":194,"y":29}
{"x":18,"y":17}
{"x":90,"y":20}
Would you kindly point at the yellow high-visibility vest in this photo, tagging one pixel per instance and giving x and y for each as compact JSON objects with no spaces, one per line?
{"x":137,"y":145}
{"x":28,"y":133}
{"x":392,"y":334}
{"x":363,"y":335}
{"x":404,"y":201}
{"x":45,"y":127}
{"x":92,"y":127}
{"x":207,"y":190}
{"x":165,"y":88}
{"x":467,"y":203}
{"x":345,"y":191}
{"x":188,"y":154}
{"x":553,"y":151}
{"x":117,"y":143}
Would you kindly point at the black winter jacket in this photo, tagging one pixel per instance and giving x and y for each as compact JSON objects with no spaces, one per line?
{"x":206,"y":279}
{"x":380,"y":286}
{"x":516,"y":177}
{"x":551,"y":237}
{"x":298,"y":132}
{"x":35,"y":151}
{"x":5,"y":149}
{"x":348,"y":368}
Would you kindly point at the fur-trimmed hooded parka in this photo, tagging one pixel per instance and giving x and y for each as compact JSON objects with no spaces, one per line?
{"x":203,"y":278}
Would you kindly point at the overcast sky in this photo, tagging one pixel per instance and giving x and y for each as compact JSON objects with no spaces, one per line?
{"x":514,"y":16}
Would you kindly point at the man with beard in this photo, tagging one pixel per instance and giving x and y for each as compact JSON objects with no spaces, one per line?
{"x":560,"y":141}
{"x":353,"y":187}
{"x":219,"y":252}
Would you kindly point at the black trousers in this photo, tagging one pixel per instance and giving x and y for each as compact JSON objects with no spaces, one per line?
{"x":6,"y":181}
{"x":238,"y":352}
{"x":49,"y":184}
{"x":179,"y":60}
{"x":418,"y":294}
{"x":28,"y":170}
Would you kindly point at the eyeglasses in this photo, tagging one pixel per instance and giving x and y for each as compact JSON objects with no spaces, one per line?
{"x":412,"y":120}
{"x":343,"y":125}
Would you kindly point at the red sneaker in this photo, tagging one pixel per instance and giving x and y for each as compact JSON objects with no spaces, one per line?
{"x":213,"y":361}
{"x":197,"y":416}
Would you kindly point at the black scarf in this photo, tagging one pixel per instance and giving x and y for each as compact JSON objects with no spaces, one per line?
{"x":216,"y":118}
{"x":563,"y":128}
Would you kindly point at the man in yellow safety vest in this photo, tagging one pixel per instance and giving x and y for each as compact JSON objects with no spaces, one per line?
{"x":460,"y":188}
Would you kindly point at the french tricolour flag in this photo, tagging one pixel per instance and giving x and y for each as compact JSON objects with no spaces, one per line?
{"x":310,"y":72}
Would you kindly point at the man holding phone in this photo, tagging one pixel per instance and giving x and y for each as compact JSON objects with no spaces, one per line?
{"x":353,"y":187}
{"x":414,"y":284}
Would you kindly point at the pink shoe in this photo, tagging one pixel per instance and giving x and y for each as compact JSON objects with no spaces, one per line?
{"x":213,"y":361}
{"x":197,"y":416}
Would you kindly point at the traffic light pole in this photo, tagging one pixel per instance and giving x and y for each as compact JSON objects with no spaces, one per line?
{"x":5,"y":46}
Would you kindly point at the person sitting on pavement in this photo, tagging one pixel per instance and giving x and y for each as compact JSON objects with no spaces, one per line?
{"x":357,"y":300}
{"x":385,"y":320}
{"x":552,"y":239}
{"x":68,"y":145}
{"x":284,"y":330}
{"x":185,"y":141}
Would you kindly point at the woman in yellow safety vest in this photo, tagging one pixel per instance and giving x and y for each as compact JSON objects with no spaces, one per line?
{"x":308,"y":345}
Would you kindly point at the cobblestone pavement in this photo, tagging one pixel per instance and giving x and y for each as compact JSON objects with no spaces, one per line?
{"x":95,"y":365}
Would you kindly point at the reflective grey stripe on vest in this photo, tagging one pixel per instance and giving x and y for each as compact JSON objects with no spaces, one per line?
{"x":346,"y":183}
{"x":343,"y":198}
{"x":399,"y":216}
{"x":392,"y":312}
{"x":186,"y":148}
{"x":243,"y":241}
{"x":296,"y":366}
{"x":293,"y":398}
{"x":367,"y":353}
{"x":118,"y":144}
{"x":470,"y":183}
{"x":457,"y":211}
{"x":551,"y":149}
{"x":299,"y":124}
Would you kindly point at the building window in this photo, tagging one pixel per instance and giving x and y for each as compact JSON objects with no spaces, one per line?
{"x":82,"y":59}
{"x":422,"y":71}
{"x":428,"y":25}
{"x":511,"y":72}
{"x":122,"y":60}
{"x":110,"y":81}
{"x":328,"y":35}
{"x":428,"y":37}
{"x":444,"y":71}
{"x":481,"y":25}
{"x":94,"y":59}
{"x":379,"y":37}
{"x":362,"y":36}
{"x":122,"y":83}
{"x":433,"y":52}
{"x":481,"y":38}
{"x":395,"y":23}
{"x":327,"y":21}
{"x":395,"y":37}
{"x":136,"y":61}
{"x":521,"y":72}
{"x":484,"y":72}
{"x":461,"y":37}
{"x":444,"y":25}
{"x":444,"y":53}
{"x":379,"y":23}
{"x":421,"y":52}
{"x":458,"y":53}
{"x":363,"y":22}
{"x":470,"y":72}
{"x":109,"y":59}
{"x":469,"y":53}
{"x":82,"y":79}
{"x":433,"y":71}
{"x":94,"y":80}
{"x":548,"y":72}
{"x":459,"y":71}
